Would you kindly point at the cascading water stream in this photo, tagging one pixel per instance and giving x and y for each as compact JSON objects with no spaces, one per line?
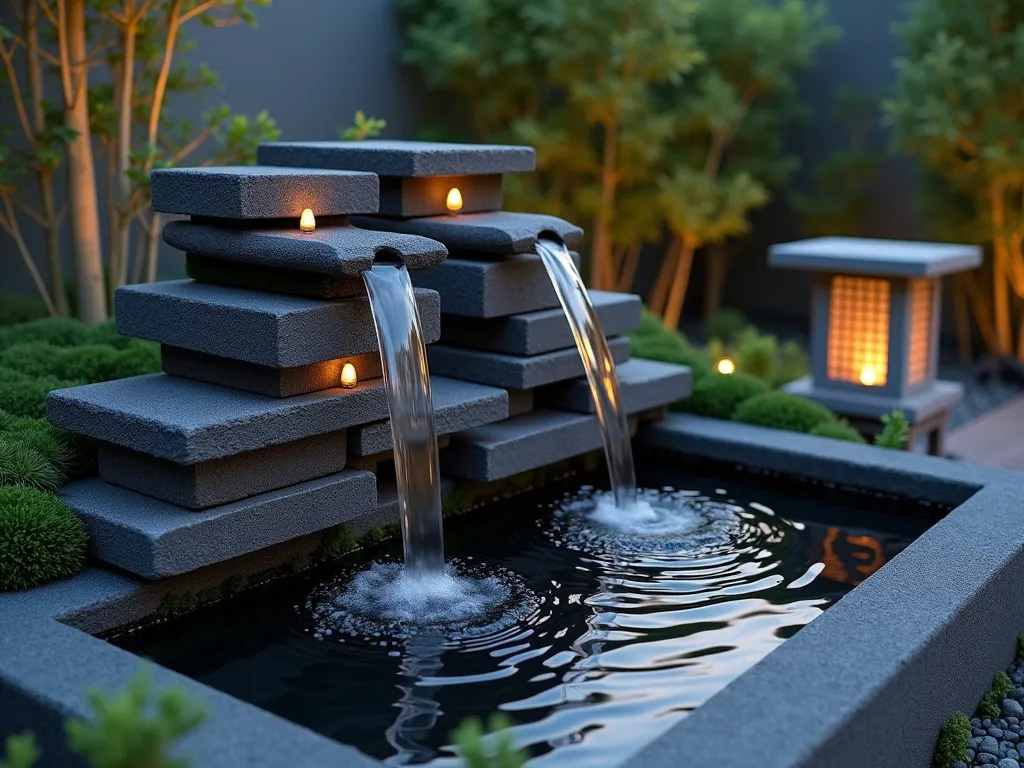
{"x":599,"y":365}
{"x":407,"y":380}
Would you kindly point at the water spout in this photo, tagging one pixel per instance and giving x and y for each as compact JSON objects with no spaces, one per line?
{"x":599,"y":365}
{"x":413,"y":436}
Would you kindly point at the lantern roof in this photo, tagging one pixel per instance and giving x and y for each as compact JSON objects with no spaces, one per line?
{"x":871,"y":256}
{"x":400,"y":158}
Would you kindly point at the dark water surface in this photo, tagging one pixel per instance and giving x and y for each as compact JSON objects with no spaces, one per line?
{"x":604,"y":640}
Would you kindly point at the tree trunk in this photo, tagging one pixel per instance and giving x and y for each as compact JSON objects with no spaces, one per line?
{"x":716,"y":257}
{"x":659,"y":295}
{"x":629,"y":267}
{"x":600,"y":276}
{"x":121,"y":239}
{"x":1000,"y":264}
{"x":152,"y":248}
{"x":85,"y":218}
{"x":44,"y":176}
{"x":680,"y":282}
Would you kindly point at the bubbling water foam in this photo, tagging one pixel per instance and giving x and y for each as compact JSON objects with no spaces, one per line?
{"x":386,"y":600}
{"x":665,"y":520}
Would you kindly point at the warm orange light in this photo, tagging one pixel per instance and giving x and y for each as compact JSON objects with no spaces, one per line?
{"x":348,"y":376}
{"x":869,"y":376}
{"x":726,"y":366}
{"x":307,"y":222}
{"x":454,"y":201}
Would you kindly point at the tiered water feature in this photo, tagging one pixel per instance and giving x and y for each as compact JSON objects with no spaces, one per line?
{"x":270,"y":424}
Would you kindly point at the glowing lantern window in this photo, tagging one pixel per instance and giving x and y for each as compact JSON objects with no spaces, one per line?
{"x":921,"y":294}
{"x":858,"y":335}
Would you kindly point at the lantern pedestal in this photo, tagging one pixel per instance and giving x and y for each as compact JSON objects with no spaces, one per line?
{"x":875,"y":314}
{"x":927,"y":411}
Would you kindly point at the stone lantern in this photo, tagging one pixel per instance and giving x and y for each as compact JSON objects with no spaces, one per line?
{"x":875,"y":316}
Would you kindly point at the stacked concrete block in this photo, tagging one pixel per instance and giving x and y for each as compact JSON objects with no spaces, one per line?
{"x":501,"y":322}
{"x":248,"y":438}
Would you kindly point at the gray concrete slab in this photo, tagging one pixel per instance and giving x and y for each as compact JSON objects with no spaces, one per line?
{"x":262,"y":328}
{"x":154,"y":539}
{"x":498,"y":232}
{"x":428,"y":195}
{"x":188,"y":422}
{"x":399,"y":158}
{"x":643,"y":385}
{"x":872,"y":256}
{"x":545,"y":330}
{"x":251,"y":192}
{"x":512,"y":372}
{"x":221,"y":481}
{"x":490,"y":289}
{"x":263,"y":379}
{"x":337,"y":251}
{"x":917,"y":406}
{"x":272,"y":279}
{"x":458,"y":405}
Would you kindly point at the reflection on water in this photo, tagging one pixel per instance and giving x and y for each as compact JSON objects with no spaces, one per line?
{"x":612,"y":637}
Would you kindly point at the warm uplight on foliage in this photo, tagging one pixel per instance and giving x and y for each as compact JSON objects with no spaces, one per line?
{"x":454,"y":201}
{"x":348,"y":376}
{"x":726,"y":366}
{"x":307,"y":223}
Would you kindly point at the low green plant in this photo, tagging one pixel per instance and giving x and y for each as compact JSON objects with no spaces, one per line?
{"x":16,"y":309}
{"x":335,"y":542}
{"x":991,"y":702}
{"x":136,"y":728}
{"x":41,"y":539}
{"x":363,"y":127}
{"x":757,"y":353}
{"x":177,"y":604}
{"x":491,"y":748}
{"x":21,"y":751}
{"x":456,"y":502}
{"x":20,"y":464}
{"x":895,"y":431}
{"x":8,"y":375}
{"x":58,"y":331}
{"x":725,"y":325}
{"x":717,"y":395}
{"x":28,"y":398}
{"x":838,"y":430}
{"x":954,"y":740}
{"x":783,"y":411}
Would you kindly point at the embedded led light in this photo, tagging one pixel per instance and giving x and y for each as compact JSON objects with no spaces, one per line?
{"x":454,"y":201}
{"x":307,"y":222}
{"x":348,"y":376}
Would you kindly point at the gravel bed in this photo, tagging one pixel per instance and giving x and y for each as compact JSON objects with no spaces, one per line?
{"x":999,"y":741}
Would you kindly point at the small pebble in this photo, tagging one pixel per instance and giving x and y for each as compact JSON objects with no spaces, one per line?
{"x":974,"y":742}
{"x":986,"y":759}
{"x":1011,"y":736}
{"x":986,"y":723}
{"x":1007,"y":762}
{"x":995,"y":732}
{"x":1013,"y":720}
{"x":989,"y":745}
{"x":960,"y":764}
{"x":1012,"y":708}
{"x":1006,"y":749}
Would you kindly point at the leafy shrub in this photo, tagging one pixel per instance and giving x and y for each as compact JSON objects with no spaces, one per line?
{"x":718,"y":396}
{"x":725,"y":325}
{"x":954,"y":739}
{"x":136,"y":727}
{"x":792,"y":363}
{"x":88,"y":362}
{"x":991,"y":702}
{"x":336,"y":542}
{"x":58,"y":331}
{"x":783,"y":411}
{"x":838,"y":430}
{"x":21,"y":750}
{"x":28,"y":398}
{"x":8,"y":375}
{"x":493,"y":748}
{"x":895,"y":431}
{"x":757,"y":353}
{"x":15,"y":309}
{"x":22,"y":465}
{"x":137,"y":358}
{"x":41,"y":539}
{"x":106,"y":333}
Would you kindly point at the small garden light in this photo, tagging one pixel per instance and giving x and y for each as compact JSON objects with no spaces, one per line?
{"x":454,"y":201}
{"x":348,"y":376}
{"x":726,"y":366}
{"x":307,"y":222}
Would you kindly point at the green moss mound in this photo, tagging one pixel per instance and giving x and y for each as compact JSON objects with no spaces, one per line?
{"x":58,"y":331}
{"x":87,"y":362}
{"x":838,"y":430}
{"x":16,"y":309}
{"x":28,"y":398}
{"x":41,"y":539}
{"x":718,"y":396}
{"x":780,"y":410}
{"x":954,"y":740}
{"x":653,"y":341}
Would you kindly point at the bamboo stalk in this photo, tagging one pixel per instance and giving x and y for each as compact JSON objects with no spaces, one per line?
{"x":680,"y":282}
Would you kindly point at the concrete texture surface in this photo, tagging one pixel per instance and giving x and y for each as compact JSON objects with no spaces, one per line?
{"x":458,"y":405}
{"x":263,"y":379}
{"x":428,"y":195}
{"x":188,"y":422}
{"x":251,"y":192}
{"x":874,"y":256}
{"x":488,"y":289}
{"x":512,"y":372}
{"x":917,"y":406}
{"x":266,"y":329}
{"x":399,"y":158}
{"x":643,"y":385}
{"x":154,"y":539}
{"x":337,"y":251}
{"x":272,"y":279}
{"x":221,"y":481}
{"x":546,"y":330}
{"x":499,"y":232}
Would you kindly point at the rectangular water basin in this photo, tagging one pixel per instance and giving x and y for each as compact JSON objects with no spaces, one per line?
{"x":600,"y":641}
